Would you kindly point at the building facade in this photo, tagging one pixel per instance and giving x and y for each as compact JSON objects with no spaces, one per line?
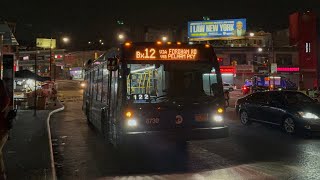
{"x":64,"y":64}
{"x":241,"y":63}
{"x":303,"y":35}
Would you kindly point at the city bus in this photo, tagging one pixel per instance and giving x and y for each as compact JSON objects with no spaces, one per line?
{"x":148,"y":91}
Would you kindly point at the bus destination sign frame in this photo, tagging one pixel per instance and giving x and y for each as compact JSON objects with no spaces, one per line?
{"x":154,"y":52}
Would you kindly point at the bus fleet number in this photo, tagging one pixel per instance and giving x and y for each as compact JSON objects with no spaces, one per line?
{"x":153,"y":120}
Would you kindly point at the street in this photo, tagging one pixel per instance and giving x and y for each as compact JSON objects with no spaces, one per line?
{"x":250,"y":152}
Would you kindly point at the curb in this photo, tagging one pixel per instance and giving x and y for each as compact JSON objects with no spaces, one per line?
{"x":53,"y":169}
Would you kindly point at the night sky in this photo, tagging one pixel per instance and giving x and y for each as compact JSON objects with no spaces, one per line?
{"x":95,"y":19}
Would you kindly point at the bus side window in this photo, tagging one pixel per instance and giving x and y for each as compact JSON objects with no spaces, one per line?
{"x":102,"y":91}
{"x":105,"y":83}
{"x":97,"y":83}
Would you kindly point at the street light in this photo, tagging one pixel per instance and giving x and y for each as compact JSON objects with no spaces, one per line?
{"x":102,"y":43}
{"x":251,"y":34}
{"x":89,"y":42}
{"x":121,"y":36}
{"x":66,"y":39}
{"x":164,"y":38}
{"x":260,"y":49}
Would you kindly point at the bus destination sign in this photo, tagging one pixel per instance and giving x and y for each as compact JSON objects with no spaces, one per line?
{"x":166,"y":54}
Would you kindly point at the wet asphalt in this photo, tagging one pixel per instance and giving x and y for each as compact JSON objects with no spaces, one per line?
{"x":250,"y":152}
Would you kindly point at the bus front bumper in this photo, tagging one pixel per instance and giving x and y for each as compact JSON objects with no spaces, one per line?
{"x":178,"y":134}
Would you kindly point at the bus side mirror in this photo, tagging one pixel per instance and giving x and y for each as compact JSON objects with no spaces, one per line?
{"x":112,"y":64}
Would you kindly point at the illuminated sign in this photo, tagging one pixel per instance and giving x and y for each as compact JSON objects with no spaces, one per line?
{"x":204,"y":30}
{"x":46,"y":43}
{"x":166,"y":54}
{"x":244,"y":68}
{"x":226,"y":69}
{"x":288,"y":69}
{"x":58,"y":56}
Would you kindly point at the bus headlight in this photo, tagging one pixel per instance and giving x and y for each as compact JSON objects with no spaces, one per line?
{"x":217,"y":118}
{"x":132,"y":123}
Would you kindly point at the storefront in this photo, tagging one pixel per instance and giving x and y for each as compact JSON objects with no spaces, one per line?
{"x":290,"y":73}
{"x":76,"y":73}
{"x":228,"y":74}
{"x":242,"y":73}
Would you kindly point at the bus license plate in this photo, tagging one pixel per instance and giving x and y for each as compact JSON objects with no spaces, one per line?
{"x":201,"y":117}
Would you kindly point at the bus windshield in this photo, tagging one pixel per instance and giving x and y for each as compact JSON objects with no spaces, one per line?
{"x":150,"y":83}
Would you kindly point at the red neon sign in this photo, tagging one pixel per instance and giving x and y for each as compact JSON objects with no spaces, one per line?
{"x":288,"y":69}
{"x":226,"y":69}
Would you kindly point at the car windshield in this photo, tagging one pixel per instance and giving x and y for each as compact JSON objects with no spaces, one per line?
{"x":149,"y":83}
{"x":297,"y":98}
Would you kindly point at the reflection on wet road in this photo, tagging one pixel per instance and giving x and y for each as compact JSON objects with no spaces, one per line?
{"x":251,"y":152}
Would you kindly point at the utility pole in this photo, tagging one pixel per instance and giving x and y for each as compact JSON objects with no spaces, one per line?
{"x":35,"y":84}
{"x":50,"y":58}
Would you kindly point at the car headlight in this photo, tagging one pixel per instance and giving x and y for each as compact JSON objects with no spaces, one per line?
{"x":217,"y":118}
{"x":308,"y":115}
{"x":132,"y":123}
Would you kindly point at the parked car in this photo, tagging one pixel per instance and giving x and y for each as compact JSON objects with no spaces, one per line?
{"x":227,"y":87}
{"x":291,"y":110}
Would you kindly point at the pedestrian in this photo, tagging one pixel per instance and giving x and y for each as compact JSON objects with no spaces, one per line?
{"x":54,"y":96}
{"x":4,"y":109}
{"x":226,"y":97}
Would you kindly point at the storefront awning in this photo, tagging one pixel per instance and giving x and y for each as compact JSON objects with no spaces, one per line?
{"x":8,"y":37}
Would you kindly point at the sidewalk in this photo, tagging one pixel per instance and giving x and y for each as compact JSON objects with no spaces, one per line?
{"x":27,"y":153}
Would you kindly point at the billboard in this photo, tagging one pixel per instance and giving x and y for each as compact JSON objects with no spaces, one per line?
{"x":46,"y":43}
{"x":216,"y":29}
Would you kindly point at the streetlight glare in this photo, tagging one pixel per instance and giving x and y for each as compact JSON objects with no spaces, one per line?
{"x":164,"y":38}
{"x":102,"y":43}
{"x":251,"y":34}
{"x":65,"y":39}
{"x":89,"y":42}
{"x":260,"y":49}
{"x":121,"y":36}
